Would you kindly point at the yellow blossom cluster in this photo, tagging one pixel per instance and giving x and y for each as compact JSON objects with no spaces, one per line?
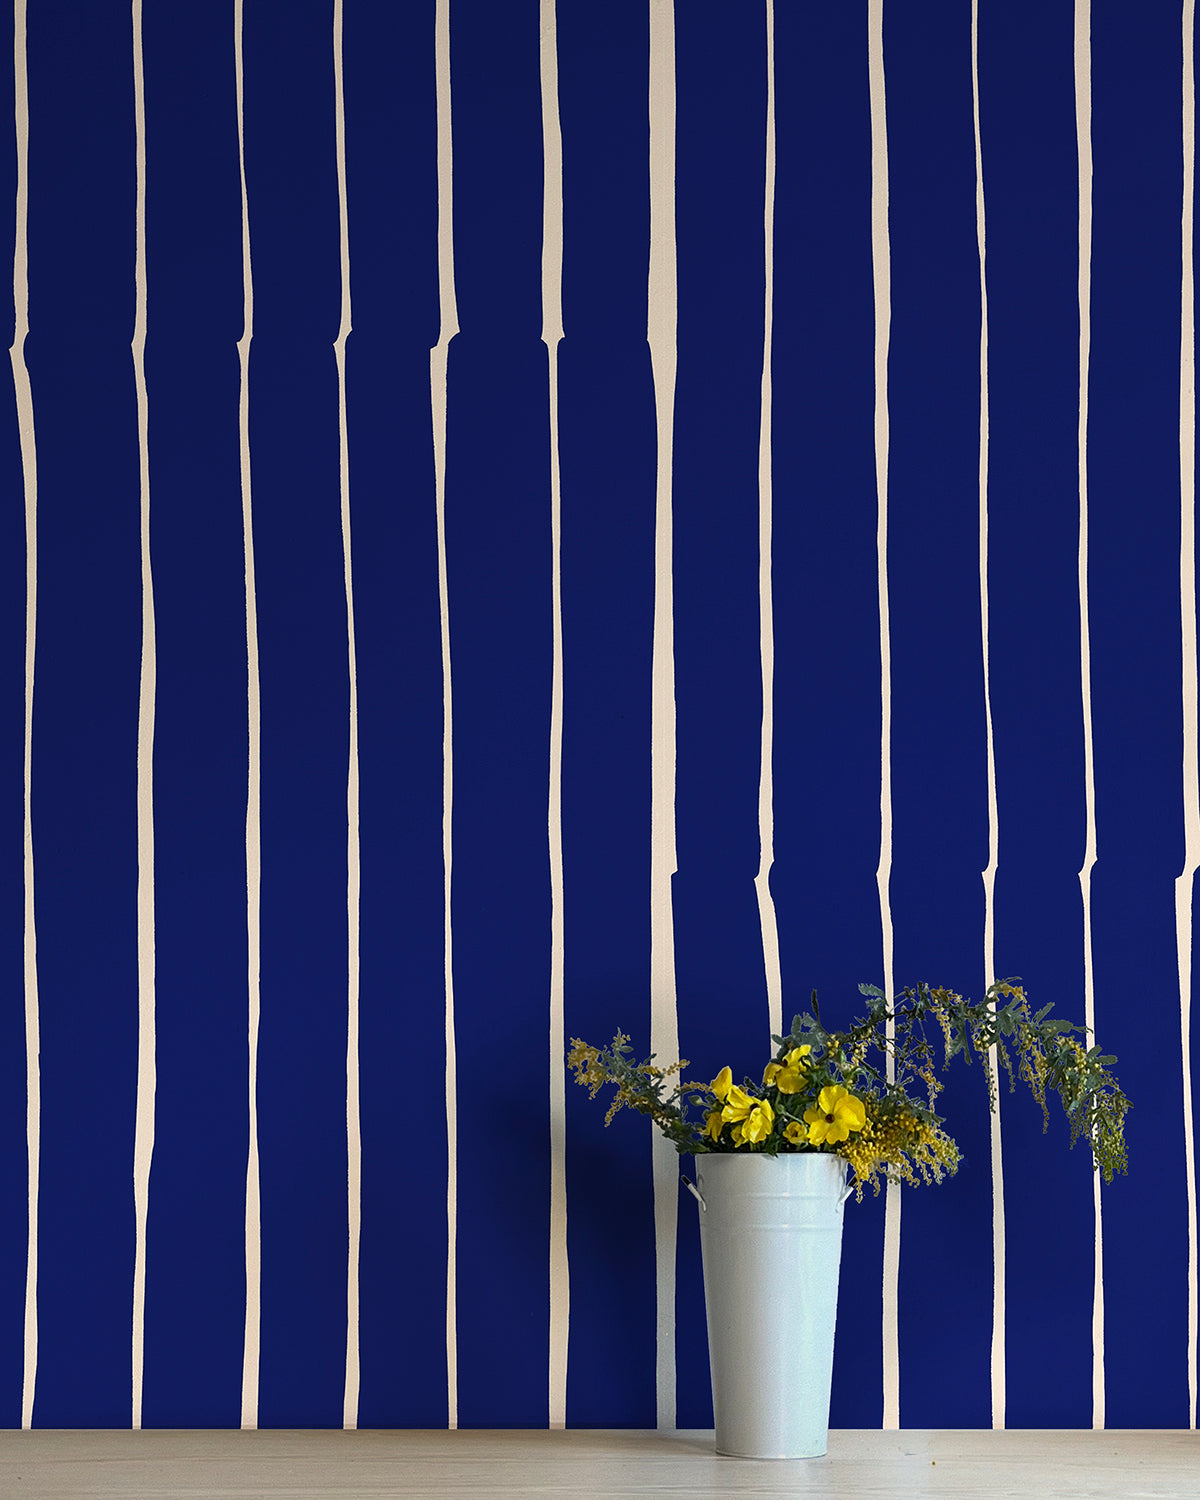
{"x":891,"y":1143}
{"x":588,"y":1066}
{"x":592,"y":1072}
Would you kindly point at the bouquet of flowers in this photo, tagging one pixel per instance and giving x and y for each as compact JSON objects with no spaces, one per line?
{"x":868,"y":1093}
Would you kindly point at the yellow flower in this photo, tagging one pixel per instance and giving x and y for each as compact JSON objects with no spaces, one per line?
{"x":793,"y":1131}
{"x":738,"y":1102}
{"x":771,"y":1073}
{"x":713,"y":1123}
{"x":757,"y":1124}
{"x":722,"y":1083}
{"x":790,"y":1077}
{"x":752,"y":1119}
{"x":836,"y":1113}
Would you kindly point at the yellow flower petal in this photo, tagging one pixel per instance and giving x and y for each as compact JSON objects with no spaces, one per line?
{"x":738,"y":1103}
{"x":852,"y":1112}
{"x":722,"y":1082}
{"x":759,"y":1123}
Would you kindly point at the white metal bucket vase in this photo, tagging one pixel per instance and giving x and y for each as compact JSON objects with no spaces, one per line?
{"x":771,"y":1241}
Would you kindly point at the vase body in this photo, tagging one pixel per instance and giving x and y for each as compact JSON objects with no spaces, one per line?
{"x":771,"y":1241}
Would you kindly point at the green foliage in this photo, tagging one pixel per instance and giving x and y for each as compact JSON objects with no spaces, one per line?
{"x":888,"y":1065}
{"x":639,"y":1086}
{"x":1037,"y":1048}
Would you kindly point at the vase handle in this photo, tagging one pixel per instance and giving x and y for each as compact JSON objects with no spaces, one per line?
{"x":849,"y":1188}
{"x":695,"y":1192}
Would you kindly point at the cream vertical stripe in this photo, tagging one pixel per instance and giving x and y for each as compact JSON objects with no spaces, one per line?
{"x":1083,"y":135}
{"x":1185,"y":884}
{"x":25,"y":427}
{"x":353,"y":862}
{"x":661,"y":328}
{"x":766,"y":607}
{"x":143,"y":1138}
{"x":552,"y":332}
{"x":250,"y":1352}
{"x":882,"y":275}
{"x":989,"y":875}
{"x":438,"y":358}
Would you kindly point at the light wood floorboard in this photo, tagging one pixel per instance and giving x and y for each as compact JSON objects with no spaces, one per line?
{"x":589,"y":1465}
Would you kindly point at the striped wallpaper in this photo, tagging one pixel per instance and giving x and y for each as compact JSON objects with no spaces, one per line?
{"x":523,"y":519}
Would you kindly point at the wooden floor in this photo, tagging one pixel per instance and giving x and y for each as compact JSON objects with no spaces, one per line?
{"x":586,"y":1465}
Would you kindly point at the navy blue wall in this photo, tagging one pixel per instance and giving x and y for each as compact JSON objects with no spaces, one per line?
{"x":71,"y":145}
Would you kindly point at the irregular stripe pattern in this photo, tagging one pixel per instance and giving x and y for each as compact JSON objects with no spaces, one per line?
{"x":768,"y":921}
{"x":143,"y":1146}
{"x":438,"y":360}
{"x":253,"y":1225}
{"x":1186,"y":882}
{"x":353,"y":857}
{"x":1083,"y":125}
{"x":661,"y":332}
{"x":881,"y":267}
{"x":28,"y":447}
{"x":552,"y":333}
{"x":989,"y":873}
